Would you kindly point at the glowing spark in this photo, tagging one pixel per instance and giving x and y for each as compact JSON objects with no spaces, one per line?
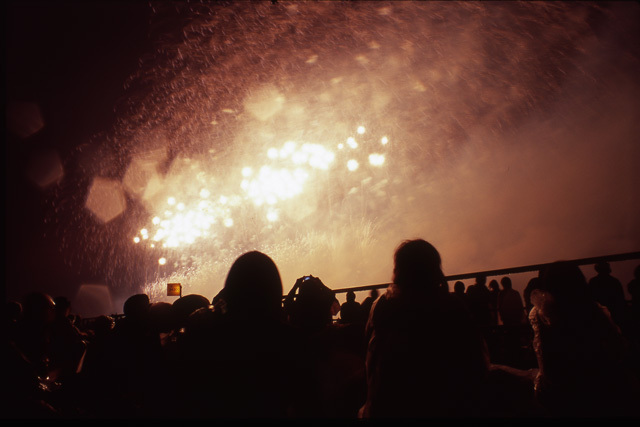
{"x":171,"y":201}
{"x":376,"y":159}
{"x":340,"y":146}
{"x":272,"y":216}
{"x":300,"y":157}
{"x":136,"y":239}
{"x":156,"y":220}
{"x":288,"y":149}
{"x":352,"y":142}
{"x":204,"y":193}
{"x":318,"y":156}
{"x":162,"y":261}
{"x":384,"y":140}
{"x":361,"y":130}
{"x":228,"y":222}
{"x":352,"y":165}
{"x":247,"y":171}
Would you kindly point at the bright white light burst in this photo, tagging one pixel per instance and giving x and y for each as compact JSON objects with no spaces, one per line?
{"x":285,"y":173}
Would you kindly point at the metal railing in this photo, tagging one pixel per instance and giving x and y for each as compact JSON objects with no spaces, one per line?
{"x":488,"y":273}
{"x":511,"y":270}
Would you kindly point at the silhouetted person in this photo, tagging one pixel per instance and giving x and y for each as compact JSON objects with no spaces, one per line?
{"x":97,"y":344}
{"x":425,"y":356}
{"x":480,"y":303}
{"x":494,"y":290}
{"x":331,"y":381}
{"x":245,"y":370}
{"x":92,"y":385}
{"x":313,"y":304}
{"x":608,"y":291}
{"x":351,"y":310}
{"x":459,"y":292}
{"x":32,"y":337}
{"x":584,"y":366}
{"x":163,"y":321}
{"x":368,"y":302}
{"x":511,"y":310}
{"x":134,"y":361}
{"x":68,"y":344}
{"x":510,"y":304}
{"x":532,"y":284}
{"x":187,"y":304}
{"x":25,"y":362}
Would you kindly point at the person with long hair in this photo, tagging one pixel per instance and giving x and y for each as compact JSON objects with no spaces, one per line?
{"x":425,"y":357}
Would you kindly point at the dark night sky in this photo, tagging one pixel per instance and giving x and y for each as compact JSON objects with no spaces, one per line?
{"x":71,"y":59}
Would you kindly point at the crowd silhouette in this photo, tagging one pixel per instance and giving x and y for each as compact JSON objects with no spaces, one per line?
{"x":566,"y":347}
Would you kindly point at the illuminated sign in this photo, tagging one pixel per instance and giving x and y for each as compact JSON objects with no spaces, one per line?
{"x":174,"y":289}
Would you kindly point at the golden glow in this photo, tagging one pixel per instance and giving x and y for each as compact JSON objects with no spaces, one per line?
{"x":281,"y":173}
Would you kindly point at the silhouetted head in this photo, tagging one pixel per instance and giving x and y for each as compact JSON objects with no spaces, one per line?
{"x":533,"y":283}
{"x":313,"y":304}
{"x":351,"y":296}
{"x":417,"y":263}
{"x":136,"y":307}
{"x":603,"y":268}
{"x":493,"y":285}
{"x":506,"y":283}
{"x":162,"y":317}
{"x":458,"y":287}
{"x":374,"y":293}
{"x":481,"y":279}
{"x":184,"y":306}
{"x":253,"y":288}
{"x":103,"y":324}
{"x":38,"y":308}
{"x":564,"y":281}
